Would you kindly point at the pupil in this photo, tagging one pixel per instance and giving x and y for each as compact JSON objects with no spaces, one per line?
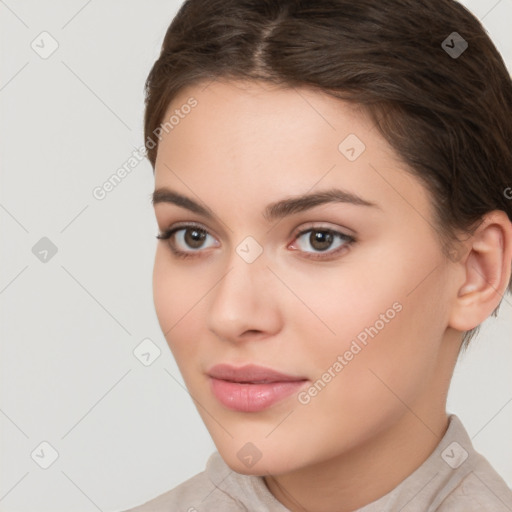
{"x":321,"y":240}
{"x":194,"y":237}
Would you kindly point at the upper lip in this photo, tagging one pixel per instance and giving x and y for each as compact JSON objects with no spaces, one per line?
{"x":249,"y":373}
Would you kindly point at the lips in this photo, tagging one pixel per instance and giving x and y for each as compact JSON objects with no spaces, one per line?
{"x":252,"y":388}
{"x":251,"y":374}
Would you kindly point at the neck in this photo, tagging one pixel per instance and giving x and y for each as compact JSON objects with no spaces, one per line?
{"x":347,"y":482}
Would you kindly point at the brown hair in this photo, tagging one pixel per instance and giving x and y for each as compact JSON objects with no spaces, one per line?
{"x":447,"y":116}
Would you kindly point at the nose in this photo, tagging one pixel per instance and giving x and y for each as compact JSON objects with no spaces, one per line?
{"x":245,"y":303}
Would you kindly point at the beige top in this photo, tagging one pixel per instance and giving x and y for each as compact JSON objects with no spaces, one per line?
{"x":455,"y":478}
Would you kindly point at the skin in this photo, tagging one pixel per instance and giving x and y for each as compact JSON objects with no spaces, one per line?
{"x":247,"y":144}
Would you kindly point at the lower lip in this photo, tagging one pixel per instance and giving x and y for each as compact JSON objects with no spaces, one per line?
{"x":252,"y":397}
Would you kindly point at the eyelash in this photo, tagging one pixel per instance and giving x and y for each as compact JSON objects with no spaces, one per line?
{"x":349,"y":240}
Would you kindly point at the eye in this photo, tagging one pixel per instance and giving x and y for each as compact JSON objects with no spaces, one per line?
{"x":324,"y":242}
{"x":185,"y":240}
{"x":190,"y":240}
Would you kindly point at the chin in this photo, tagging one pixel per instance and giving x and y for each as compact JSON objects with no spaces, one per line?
{"x":275,"y":464}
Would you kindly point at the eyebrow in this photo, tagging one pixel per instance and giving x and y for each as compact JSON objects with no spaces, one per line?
{"x":273,"y":211}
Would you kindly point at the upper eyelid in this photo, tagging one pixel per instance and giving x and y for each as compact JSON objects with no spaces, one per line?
{"x":312,"y":225}
{"x":311,"y":211}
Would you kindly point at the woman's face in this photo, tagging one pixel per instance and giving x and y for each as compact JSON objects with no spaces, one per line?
{"x":363,"y":323}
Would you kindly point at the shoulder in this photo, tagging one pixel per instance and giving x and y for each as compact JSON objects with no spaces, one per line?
{"x":481,"y":489}
{"x":472,"y":495}
{"x":454,"y":478}
{"x":199,"y":493}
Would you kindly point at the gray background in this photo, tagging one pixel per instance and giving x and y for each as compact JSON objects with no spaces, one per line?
{"x":124,"y":432}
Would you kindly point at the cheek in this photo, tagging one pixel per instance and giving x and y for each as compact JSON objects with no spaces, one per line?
{"x":163,"y":296}
{"x":175,"y":295}
{"x":341,"y":305}
{"x":383,"y":329}
{"x":360,"y":387}
{"x":177,"y":300}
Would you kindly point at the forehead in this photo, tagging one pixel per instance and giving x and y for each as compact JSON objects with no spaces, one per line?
{"x":267,"y":141}
{"x":256,"y":121}
{"x":261,"y":108}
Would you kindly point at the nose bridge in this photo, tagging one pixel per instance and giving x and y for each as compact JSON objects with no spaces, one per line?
{"x":246,"y":266}
{"x":242,"y":300}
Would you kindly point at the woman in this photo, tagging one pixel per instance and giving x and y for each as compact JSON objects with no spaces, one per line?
{"x":332,"y":191}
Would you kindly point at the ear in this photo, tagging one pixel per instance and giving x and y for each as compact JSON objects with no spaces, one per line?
{"x":485,"y":272}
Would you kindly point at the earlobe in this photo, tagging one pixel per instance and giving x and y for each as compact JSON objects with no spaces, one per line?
{"x":486,"y":271}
